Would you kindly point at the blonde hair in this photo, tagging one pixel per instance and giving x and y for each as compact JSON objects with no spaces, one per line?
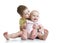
{"x":34,"y":11}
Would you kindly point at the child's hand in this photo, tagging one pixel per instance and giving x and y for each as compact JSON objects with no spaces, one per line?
{"x":41,"y":31}
{"x":35,"y":26}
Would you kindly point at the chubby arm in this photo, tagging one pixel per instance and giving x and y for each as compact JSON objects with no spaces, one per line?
{"x":40,"y":26}
{"x":23,"y":27}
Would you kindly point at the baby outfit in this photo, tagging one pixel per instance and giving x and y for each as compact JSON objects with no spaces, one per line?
{"x":29,"y":26}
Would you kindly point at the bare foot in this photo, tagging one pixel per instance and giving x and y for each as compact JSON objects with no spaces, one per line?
{"x":33,"y":37}
{"x":6,"y":35}
{"x":24,"y":35}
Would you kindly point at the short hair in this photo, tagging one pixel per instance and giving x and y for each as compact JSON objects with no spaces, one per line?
{"x":34,"y":11}
{"x":20,"y":9}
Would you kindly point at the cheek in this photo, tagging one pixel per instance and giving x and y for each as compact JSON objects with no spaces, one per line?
{"x":37,"y":17}
{"x":27,"y":15}
{"x":32,"y":17}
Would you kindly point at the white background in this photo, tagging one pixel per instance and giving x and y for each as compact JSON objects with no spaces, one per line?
{"x":49,"y":17}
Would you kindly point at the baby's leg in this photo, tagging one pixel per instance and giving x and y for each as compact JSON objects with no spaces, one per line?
{"x":45,"y":34}
{"x":43,"y":37}
{"x":40,"y":36}
{"x":33,"y":34}
{"x":13,"y":35}
{"x":24,"y":35}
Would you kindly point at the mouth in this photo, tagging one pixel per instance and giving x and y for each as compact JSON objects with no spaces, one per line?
{"x":35,"y":19}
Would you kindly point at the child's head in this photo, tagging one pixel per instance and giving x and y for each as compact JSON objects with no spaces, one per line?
{"x":34,"y":15}
{"x":23,"y":11}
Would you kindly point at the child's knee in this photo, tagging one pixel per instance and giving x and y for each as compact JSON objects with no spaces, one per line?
{"x":46,"y":31}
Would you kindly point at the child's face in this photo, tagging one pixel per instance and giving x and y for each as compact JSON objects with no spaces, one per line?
{"x":34,"y":16}
{"x":26,"y":13}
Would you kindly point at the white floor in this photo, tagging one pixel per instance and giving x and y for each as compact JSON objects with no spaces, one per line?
{"x":24,"y":41}
{"x":50,"y":39}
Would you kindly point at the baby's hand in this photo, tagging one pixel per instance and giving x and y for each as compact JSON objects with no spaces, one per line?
{"x":41,"y":31}
{"x":35,"y":26}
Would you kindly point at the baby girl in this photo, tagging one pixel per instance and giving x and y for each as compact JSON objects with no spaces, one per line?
{"x":33,"y":26}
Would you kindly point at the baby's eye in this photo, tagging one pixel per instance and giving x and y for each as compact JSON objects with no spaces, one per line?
{"x":28,"y":11}
{"x":34,"y":15}
{"x":37,"y":16}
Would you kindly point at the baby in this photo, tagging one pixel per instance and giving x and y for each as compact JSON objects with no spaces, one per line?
{"x":33,"y":26}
